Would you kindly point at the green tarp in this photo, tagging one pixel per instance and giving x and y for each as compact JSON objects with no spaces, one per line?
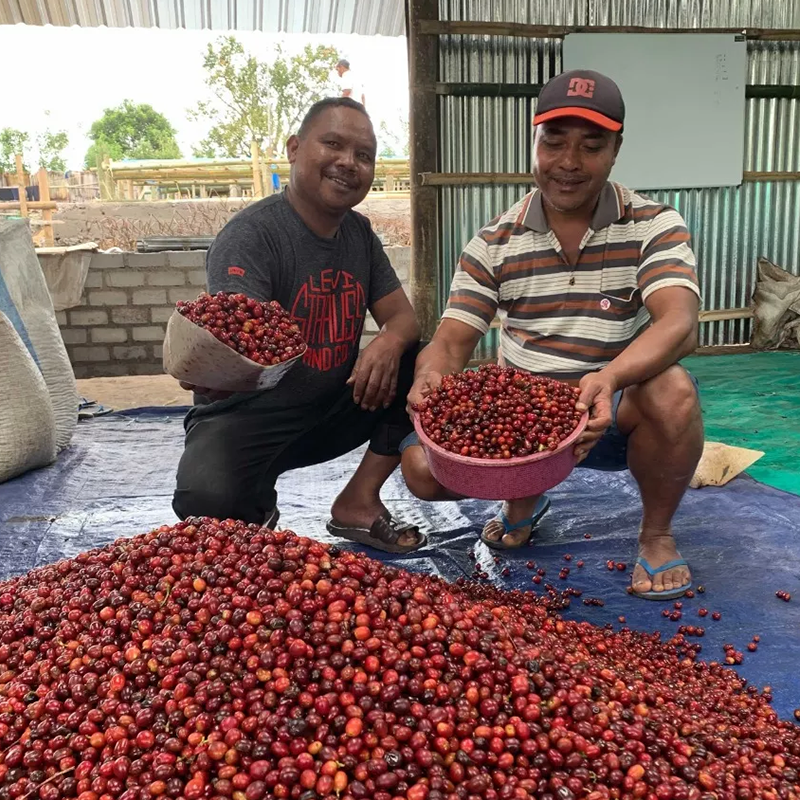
{"x":754,"y":401}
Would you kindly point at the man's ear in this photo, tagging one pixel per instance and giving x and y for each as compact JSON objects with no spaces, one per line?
{"x":617,"y":145}
{"x":292,"y":143}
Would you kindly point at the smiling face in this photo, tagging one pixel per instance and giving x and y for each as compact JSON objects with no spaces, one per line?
{"x":572,"y":159}
{"x":333,"y":162}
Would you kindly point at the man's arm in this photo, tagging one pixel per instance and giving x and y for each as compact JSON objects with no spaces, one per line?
{"x":473,"y":302}
{"x":374,"y":377}
{"x":449,"y":351}
{"x":346,"y":84}
{"x":668,"y":282}
{"x":671,"y":336}
{"x":396,"y":319}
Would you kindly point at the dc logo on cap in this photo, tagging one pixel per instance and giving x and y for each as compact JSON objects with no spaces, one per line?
{"x":581,"y":87}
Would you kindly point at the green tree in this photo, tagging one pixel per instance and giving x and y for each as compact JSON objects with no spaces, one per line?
{"x":12,"y":142}
{"x":132,"y":131}
{"x":204,"y":150}
{"x":258,"y":101}
{"x":393,"y":143}
{"x":51,"y":150}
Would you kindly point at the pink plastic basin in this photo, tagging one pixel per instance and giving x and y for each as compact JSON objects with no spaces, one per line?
{"x":507,"y":479}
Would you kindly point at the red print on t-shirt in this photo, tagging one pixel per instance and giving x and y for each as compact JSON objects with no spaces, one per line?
{"x":236,"y":271}
{"x":330,"y":308}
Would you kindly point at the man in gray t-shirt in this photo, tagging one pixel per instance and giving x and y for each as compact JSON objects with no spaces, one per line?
{"x":307,"y":249}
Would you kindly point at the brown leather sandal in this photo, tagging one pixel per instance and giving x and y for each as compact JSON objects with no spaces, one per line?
{"x":383,"y":534}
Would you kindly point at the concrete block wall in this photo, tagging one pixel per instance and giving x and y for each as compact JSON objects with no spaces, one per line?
{"x":118,"y":328}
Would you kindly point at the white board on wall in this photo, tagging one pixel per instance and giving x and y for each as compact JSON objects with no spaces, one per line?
{"x":684,"y":104}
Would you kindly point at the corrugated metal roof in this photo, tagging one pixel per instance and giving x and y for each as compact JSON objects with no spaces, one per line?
{"x":366,"y":17}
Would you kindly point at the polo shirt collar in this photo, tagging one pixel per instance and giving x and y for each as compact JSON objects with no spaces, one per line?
{"x":608,"y":210}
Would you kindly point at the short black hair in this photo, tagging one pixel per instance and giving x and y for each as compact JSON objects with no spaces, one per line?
{"x":343,"y":62}
{"x":324,"y":105}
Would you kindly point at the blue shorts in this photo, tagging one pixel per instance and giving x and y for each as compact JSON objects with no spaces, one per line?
{"x":610,"y":454}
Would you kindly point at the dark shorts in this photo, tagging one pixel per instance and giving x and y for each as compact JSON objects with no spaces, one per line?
{"x":610,"y":454}
{"x":237,"y":448}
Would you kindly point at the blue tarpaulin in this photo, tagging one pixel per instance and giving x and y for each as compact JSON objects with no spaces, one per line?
{"x":742,"y":540}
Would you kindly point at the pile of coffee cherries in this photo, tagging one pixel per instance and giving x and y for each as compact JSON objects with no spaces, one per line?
{"x":216,"y":660}
{"x":499,"y":412}
{"x":263,"y":332}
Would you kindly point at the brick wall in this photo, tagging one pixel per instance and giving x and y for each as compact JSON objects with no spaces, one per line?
{"x":118,"y":329}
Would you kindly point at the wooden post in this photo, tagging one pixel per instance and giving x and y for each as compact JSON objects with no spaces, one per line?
{"x":100,"y":180}
{"x":23,"y":198}
{"x":266,"y":182}
{"x":423,"y":58}
{"x":47,"y":214}
{"x":104,"y":178}
{"x":258,"y":189}
{"x":33,"y":205}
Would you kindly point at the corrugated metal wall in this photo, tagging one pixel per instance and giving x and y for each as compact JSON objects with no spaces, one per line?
{"x":731,"y":227}
{"x":367,"y":17}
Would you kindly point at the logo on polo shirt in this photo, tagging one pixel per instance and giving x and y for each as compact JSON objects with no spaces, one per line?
{"x":605,"y":304}
{"x":238,"y":271}
{"x":581,"y":87}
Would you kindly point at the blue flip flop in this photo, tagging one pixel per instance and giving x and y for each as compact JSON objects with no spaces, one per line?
{"x":542,"y":507}
{"x":672,"y":594}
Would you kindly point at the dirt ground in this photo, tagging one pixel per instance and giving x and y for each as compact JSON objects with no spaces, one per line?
{"x":134,"y":391}
{"x":121,"y":224}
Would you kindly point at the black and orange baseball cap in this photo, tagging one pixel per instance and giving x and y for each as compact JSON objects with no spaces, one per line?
{"x":582,"y":93}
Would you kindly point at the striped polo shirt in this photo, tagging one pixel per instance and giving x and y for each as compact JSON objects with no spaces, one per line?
{"x":565,"y":321}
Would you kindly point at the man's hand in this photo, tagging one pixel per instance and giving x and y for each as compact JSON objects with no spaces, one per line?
{"x":424,"y":384}
{"x":597,"y":392}
{"x":211,"y":394}
{"x":374,"y":377}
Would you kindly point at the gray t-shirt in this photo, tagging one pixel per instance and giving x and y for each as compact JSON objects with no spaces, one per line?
{"x":267,"y":252}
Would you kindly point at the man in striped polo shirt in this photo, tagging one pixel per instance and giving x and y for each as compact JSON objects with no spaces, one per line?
{"x":596,"y":285}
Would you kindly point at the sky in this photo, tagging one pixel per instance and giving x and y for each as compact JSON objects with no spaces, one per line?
{"x":85,"y":70}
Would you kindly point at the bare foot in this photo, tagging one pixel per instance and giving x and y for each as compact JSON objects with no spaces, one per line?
{"x":348,"y":513}
{"x":516,"y":511}
{"x":657,"y":548}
